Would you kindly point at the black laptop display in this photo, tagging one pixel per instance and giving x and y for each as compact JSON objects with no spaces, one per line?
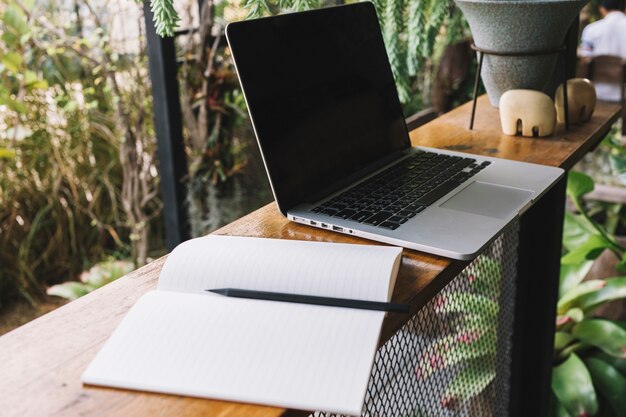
{"x":332,"y":108}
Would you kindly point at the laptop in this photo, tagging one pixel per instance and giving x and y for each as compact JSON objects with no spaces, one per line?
{"x":326,"y":114}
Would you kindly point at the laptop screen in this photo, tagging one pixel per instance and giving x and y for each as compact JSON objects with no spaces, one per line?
{"x":321,"y":95}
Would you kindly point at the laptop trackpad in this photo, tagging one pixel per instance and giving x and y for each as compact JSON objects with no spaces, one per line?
{"x":489,"y":200}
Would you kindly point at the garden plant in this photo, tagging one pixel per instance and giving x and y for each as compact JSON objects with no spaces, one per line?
{"x":589,"y":376}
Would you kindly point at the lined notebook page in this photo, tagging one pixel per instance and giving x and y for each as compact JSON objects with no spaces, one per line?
{"x":290,"y":355}
{"x":363,"y":272}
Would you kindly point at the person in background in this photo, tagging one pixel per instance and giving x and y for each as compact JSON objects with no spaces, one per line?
{"x":607,"y":36}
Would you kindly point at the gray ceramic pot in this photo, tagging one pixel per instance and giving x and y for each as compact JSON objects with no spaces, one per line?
{"x":519,"y":26}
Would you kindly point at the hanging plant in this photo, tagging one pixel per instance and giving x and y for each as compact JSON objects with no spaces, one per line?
{"x":411,"y":30}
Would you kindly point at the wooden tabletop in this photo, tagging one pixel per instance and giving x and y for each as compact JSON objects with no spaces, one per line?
{"x":41,"y":362}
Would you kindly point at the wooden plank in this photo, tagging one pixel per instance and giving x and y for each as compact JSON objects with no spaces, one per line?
{"x":42,"y":361}
{"x":608,"y":194}
{"x":564,"y":149}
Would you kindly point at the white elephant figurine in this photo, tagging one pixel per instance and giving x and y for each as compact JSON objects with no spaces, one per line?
{"x":528,"y":112}
{"x":581,"y":101}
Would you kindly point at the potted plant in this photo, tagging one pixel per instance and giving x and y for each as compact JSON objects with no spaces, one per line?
{"x":589,"y":376}
{"x":519,"y":27}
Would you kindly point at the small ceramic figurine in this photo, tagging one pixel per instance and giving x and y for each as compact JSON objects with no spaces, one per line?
{"x":581,"y":100}
{"x":528,"y":112}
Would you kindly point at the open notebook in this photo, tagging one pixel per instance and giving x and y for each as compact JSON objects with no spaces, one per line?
{"x":181,"y":339}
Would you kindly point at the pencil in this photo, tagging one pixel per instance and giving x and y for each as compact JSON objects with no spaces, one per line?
{"x":309,"y":299}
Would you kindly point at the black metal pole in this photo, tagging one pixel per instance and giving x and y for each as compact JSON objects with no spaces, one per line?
{"x":538,"y":266}
{"x":476,"y":84}
{"x":169,"y":132}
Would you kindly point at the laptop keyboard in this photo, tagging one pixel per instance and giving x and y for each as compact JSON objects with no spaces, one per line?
{"x":401,"y":192}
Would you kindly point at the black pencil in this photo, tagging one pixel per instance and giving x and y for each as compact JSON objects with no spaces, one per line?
{"x":309,"y":299}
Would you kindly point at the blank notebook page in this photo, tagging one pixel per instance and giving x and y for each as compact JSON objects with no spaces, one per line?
{"x":294,"y":356}
{"x":365,"y":272}
{"x":283,"y":354}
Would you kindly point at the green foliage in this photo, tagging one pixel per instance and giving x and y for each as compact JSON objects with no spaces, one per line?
{"x":413,"y":31}
{"x":584,"y":238}
{"x":470,"y":351}
{"x":610,"y":383}
{"x":61,"y":205}
{"x":165,"y":17}
{"x":573,"y":387}
{"x":590,"y":353}
{"x":603,"y":334}
{"x":97,"y":276}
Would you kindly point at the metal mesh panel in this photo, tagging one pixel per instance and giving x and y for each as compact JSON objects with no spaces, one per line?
{"x":453,"y":357}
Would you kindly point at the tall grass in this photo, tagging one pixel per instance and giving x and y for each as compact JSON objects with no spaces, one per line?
{"x":61,"y":201}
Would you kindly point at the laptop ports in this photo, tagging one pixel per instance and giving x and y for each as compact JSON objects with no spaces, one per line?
{"x":338,"y":229}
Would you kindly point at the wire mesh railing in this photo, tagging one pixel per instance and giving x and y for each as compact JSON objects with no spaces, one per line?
{"x":453,"y":357}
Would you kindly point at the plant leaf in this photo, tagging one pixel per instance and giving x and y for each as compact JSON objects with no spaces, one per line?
{"x":561,"y":340}
{"x":484,"y":274}
{"x":556,"y":408}
{"x":475,"y":376}
{"x":579,"y":184}
{"x":7,"y":153}
{"x":576,"y":230}
{"x":617,"y":363}
{"x":610,"y":383}
{"x":459,"y":302}
{"x":14,"y":20}
{"x":573,"y":315}
{"x":621,"y":265}
{"x":70,"y":290}
{"x":572,"y":386}
{"x":454,"y":349}
{"x":12,"y":61}
{"x":569,"y":299}
{"x":572,"y":275}
{"x":603,"y":334}
{"x":591,"y":249}
{"x":614,"y":289}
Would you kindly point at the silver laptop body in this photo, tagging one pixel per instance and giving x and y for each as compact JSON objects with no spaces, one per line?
{"x":325,"y":72}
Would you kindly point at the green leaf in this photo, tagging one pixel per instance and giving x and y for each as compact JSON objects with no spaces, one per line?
{"x":14,"y":105}
{"x":460,"y":302}
{"x":31,"y":80}
{"x":7,"y":153}
{"x":70,"y":290}
{"x":621,"y":265}
{"x":475,"y":376}
{"x":615,"y":289}
{"x":484,"y":275}
{"x":603,"y":334}
{"x":576,"y":230}
{"x":12,"y":61}
{"x":579,"y":184}
{"x":610,"y":383}
{"x":570,"y":298}
{"x":617,"y":363}
{"x":572,"y":275}
{"x":15,"y":21}
{"x":561,"y":340}
{"x":452,"y":350}
{"x":572,"y":386}
{"x":165,"y":17}
{"x":573,"y":315}
{"x":589,"y":250}
{"x":556,"y":408}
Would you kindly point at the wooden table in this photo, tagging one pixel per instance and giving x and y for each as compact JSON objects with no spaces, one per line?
{"x":41,"y":362}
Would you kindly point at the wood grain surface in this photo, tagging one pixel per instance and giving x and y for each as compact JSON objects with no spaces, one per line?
{"x":41,"y":362}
